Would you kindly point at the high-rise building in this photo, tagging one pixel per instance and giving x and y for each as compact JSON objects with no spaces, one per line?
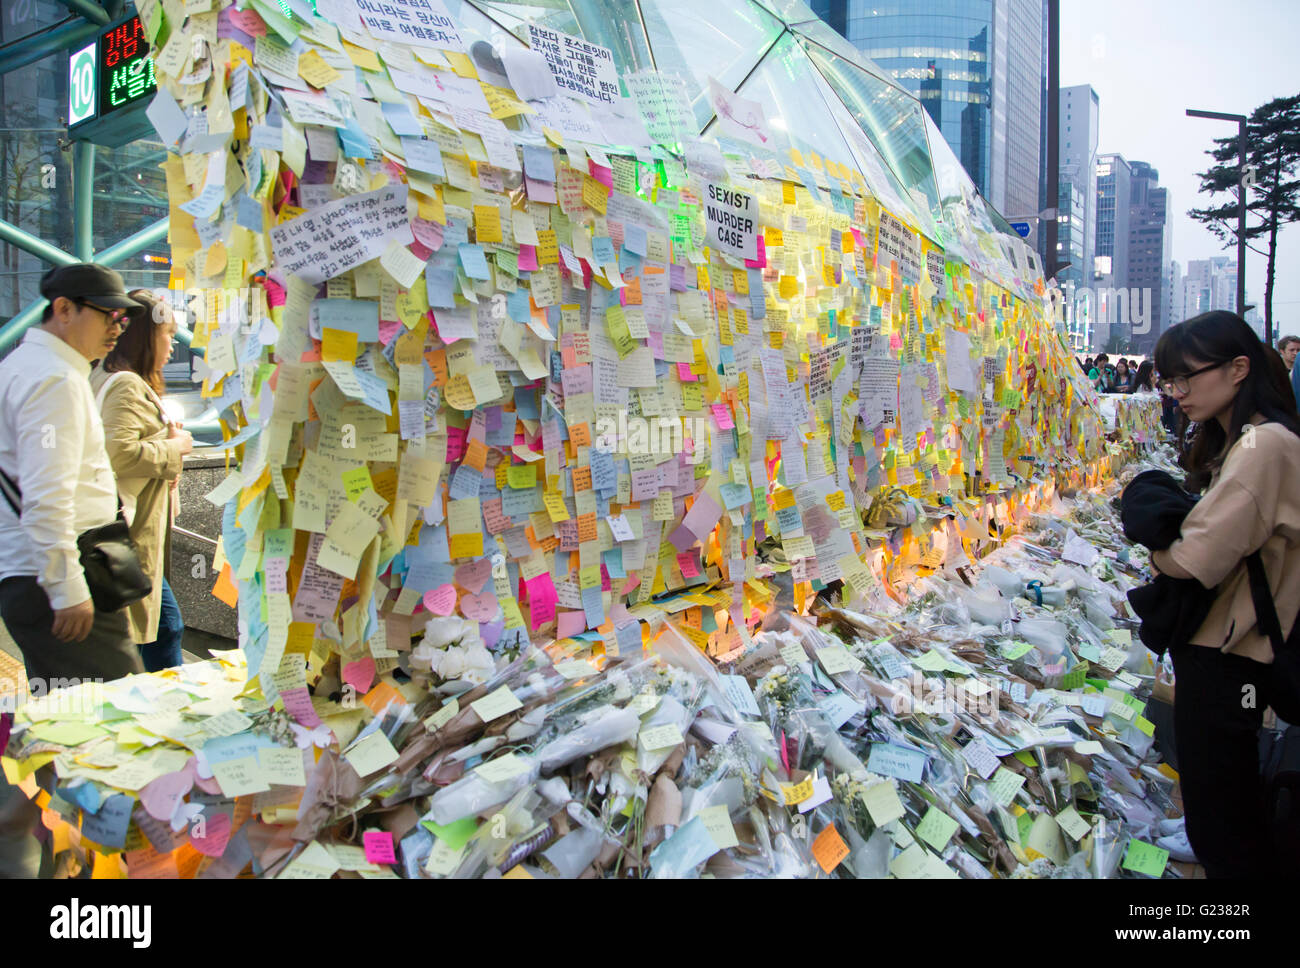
{"x":1080,"y":111}
{"x":1209,"y":284}
{"x":979,"y":68}
{"x":1175,"y":293}
{"x":1110,"y":254}
{"x":1150,"y":249}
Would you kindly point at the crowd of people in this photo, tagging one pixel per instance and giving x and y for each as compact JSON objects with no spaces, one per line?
{"x":85,"y":441}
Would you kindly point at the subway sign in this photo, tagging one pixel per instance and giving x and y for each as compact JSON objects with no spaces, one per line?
{"x":106,"y":78}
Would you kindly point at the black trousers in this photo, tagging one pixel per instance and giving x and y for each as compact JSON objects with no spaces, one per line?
{"x":1218,"y":711}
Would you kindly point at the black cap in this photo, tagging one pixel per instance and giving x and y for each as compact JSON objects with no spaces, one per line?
{"x":88,"y":282}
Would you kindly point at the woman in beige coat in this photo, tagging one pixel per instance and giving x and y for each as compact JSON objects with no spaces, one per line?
{"x":145,"y":448}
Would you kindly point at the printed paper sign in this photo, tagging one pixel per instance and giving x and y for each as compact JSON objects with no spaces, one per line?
{"x":732,"y":219}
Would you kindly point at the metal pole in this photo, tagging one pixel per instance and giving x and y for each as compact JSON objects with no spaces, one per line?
{"x":28,"y":50}
{"x":1241,"y":227}
{"x":91,"y":11}
{"x":19,"y":324}
{"x":1053,"y":135}
{"x":36,"y":246}
{"x":83,"y":208}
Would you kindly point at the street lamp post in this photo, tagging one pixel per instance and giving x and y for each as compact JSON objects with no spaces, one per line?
{"x":1241,"y":204}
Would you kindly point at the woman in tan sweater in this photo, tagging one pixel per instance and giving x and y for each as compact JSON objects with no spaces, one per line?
{"x":1246,"y":456}
{"x":145,"y":448}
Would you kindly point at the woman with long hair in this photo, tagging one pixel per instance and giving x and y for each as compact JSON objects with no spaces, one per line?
{"x":1246,"y":457}
{"x":1145,"y":382}
{"x":1123,"y":378}
{"x":145,"y":448}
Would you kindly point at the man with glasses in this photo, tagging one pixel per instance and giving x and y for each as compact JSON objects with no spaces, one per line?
{"x":52,"y":449}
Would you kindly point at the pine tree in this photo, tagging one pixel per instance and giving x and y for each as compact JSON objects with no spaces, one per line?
{"x":1273,"y":188}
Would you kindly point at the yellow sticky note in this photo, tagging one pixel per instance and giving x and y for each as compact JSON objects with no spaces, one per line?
{"x":487,"y":223}
{"x":316,"y":71}
{"x":496,"y":704}
{"x":338,"y":345}
{"x":555,"y":507}
{"x":371,"y":755}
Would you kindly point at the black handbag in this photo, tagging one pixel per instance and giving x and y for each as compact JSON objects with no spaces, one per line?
{"x":1285,"y":696}
{"x":109,"y":558}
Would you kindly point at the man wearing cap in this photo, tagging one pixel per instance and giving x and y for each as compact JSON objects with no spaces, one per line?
{"x":52,"y":449}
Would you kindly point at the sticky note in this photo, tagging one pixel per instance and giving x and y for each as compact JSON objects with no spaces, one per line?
{"x":496,"y":704}
{"x":371,"y":754}
{"x":379,"y":847}
{"x":829,"y":849}
{"x":936,"y":828}
{"x":1144,"y":858}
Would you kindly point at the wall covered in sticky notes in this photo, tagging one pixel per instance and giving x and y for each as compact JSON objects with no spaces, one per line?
{"x":486,"y":366}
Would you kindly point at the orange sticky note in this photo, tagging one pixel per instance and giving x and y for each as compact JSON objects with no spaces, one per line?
{"x":580,"y":434}
{"x":380,"y":696}
{"x":476,"y":455}
{"x":225,"y":590}
{"x":829,"y":849}
{"x":338,"y":344}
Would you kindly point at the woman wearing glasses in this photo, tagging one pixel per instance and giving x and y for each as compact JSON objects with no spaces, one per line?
{"x":1246,"y":457}
{"x":145,"y":448}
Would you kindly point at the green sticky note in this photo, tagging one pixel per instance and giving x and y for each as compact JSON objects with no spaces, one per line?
{"x":1025,"y":757}
{"x":1014,"y":650}
{"x":1024,"y":823}
{"x":356,"y":482}
{"x":454,"y":835}
{"x":1005,"y":785}
{"x":1145,"y":725}
{"x":1076,"y":677}
{"x":1144,"y":858}
{"x":936,"y":828}
{"x":521,"y":476}
{"x":931,"y":662}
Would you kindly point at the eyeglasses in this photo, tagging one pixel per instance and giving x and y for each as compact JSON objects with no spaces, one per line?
{"x":1183,"y":384}
{"x":111,"y":316}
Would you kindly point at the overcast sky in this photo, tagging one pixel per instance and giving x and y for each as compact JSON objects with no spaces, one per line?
{"x":1150,"y":60}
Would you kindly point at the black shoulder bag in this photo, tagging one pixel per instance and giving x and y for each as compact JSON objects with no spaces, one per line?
{"x":1285,"y":696}
{"x":109,"y":557}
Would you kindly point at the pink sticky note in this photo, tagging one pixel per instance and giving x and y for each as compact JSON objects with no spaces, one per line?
{"x":602,"y":174}
{"x":722,"y":415}
{"x":540,"y":191}
{"x":684,"y":373}
{"x":541,"y":600}
{"x":297,"y":703}
{"x":247,"y":21}
{"x":160,"y":796}
{"x":474,"y":575}
{"x":216,"y":834}
{"x":388,"y":328}
{"x":686,"y":562}
{"x":528,"y":257}
{"x":441,"y":600}
{"x":761,"y":261}
{"x":702,"y":516}
{"x":480,"y":608}
{"x":360,"y":674}
{"x":275,"y":294}
{"x":571,"y":623}
{"x":428,"y":234}
{"x":379,"y":847}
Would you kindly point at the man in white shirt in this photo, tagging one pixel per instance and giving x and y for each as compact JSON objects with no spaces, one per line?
{"x":52,"y":448}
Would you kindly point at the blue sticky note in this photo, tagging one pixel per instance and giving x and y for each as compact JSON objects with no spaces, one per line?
{"x":473,"y":260}
{"x":84,"y":794}
{"x":684,"y":851}
{"x":526,"y":404}
{"x":539,"y":163}
{"x":248,"y":213}
{"x":360,"y":316}
{"x":613,"y":561}
{"x":517,"y":505}
{"x":108,"y":825}
{"x":593,"y":606}
{"x":517,"y":307}
{"x":634,"y":239}
{"x":401,"y":120}
{"x":887,"y":759}
{"x":423,"y":155}
{"x":604,"y":477}
{"x":464,"y":483}
{"x":440,"y":286}
{"x":629,"y":637}
{"x":355,"y":142}
{"x":603,"y":250}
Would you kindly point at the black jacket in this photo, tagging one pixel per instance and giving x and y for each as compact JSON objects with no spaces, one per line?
{"x":1152,"y":510}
